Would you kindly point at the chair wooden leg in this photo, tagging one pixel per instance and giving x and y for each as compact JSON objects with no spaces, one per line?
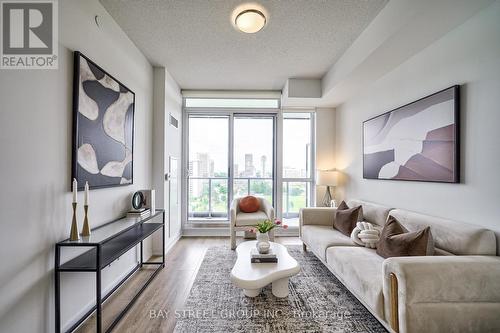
{"x":233,"y":239}
{"x":271,"y":235}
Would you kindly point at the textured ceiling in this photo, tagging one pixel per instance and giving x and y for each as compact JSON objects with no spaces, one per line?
{"x":197,"y":43}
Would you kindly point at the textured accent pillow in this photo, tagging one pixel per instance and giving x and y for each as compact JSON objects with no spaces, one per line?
{"x":397,"y":241}
{"x":249,"y":204}
{"x":346,"y":218}
{"x":366,"y":234}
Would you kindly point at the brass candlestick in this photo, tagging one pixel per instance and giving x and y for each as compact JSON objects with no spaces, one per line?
{"x":86,"y":227}
{"x":74,"y":227}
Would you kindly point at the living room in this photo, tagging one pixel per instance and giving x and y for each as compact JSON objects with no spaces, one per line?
{"x":241,"y":166}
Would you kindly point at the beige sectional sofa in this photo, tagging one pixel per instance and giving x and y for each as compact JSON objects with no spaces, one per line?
{"x":456,"y":290}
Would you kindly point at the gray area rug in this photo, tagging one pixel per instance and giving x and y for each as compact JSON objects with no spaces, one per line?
{"x":317,"y":302}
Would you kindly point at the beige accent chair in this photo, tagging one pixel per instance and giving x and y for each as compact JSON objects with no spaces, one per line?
{"x":456,"y":290}
{"x":241,"y":221}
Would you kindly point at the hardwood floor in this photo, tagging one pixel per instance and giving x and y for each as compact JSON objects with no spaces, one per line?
{"x":154,"y":310}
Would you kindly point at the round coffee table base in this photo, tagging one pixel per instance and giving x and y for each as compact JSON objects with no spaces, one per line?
{"x":251,"y":292}
{"x":280,"y":287}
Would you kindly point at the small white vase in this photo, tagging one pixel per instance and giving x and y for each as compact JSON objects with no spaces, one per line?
{"x":263,"y":244}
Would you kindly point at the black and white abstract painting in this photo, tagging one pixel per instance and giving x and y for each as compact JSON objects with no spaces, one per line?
{"x":418,"y":141}
{"x":103,"y":127}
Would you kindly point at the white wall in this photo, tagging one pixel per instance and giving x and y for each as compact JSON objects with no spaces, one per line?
{"x":469,"y":55}
{"x":167,"y":142}
{"x":325,"y":146}
{"x":173,"y":106}
{"x":35,"y":146}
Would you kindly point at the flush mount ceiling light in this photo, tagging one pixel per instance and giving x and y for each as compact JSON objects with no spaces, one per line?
{"x":250,"y":21}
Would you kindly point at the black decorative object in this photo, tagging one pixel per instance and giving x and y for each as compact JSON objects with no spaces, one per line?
{"x":419,"y":141}
{"x":138,"y":200}
{"x":103,"y":127}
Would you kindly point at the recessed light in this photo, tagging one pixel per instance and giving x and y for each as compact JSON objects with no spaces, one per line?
{"x":250,"y":21}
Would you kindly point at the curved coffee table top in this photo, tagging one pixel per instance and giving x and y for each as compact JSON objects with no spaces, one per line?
{"x":258,"y":275}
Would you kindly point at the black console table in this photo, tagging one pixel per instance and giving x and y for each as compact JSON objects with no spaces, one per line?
{"x":105,"y":245}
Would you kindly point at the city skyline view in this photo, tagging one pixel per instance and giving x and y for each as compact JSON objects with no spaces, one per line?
{"x":254,"y":137}
{"x":253,"y":158}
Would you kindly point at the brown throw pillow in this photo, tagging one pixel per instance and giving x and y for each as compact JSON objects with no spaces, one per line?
{"x":396,"y":241}
{"x":346,"y":218}
{"x":249,"y":204}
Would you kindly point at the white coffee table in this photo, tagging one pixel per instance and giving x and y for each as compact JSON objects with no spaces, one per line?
{"x":253,"y":277}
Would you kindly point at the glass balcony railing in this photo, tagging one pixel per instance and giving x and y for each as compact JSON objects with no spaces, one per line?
{"x":208,"y":196}
{"x":296,"y":195}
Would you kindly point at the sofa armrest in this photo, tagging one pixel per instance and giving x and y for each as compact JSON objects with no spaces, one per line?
{"x":268,"y":209}
{"x":422,"y":292}
{"x":317,"y":216}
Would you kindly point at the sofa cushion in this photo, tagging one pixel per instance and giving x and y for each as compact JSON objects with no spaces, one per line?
{"x":372,"y":212}
{"x":249,"y":219}
{"x":452,"y":236}
{"x":360,"y":269}
{"x":320,"y":237}
{"x":396,"y":241}
{"x":346,"y":218}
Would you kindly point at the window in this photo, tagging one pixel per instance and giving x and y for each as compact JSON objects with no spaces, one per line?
{"x":253,"y":156}
{"x":232,"y":152}
{"x":252,"y":171}
{"x":208,"y":167}
{"x":297,"y":182}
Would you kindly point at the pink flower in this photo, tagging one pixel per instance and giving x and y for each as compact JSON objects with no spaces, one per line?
{"x":285,"y":226}
{"x":278,"y":222}
{"x":251,"y":230}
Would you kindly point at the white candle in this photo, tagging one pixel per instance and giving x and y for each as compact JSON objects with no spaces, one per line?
{"x":75,"y":190}
{"x":86,"y":197}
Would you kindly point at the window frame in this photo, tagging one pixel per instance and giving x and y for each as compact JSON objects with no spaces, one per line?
{"x":278,"y":179}
{"x":310,"y":180}
{"x":221,"y":112}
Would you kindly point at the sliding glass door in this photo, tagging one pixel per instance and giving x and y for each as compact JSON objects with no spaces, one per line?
{"x":253,"y":156}
{"x":213,"y":141}
{"x":208,"y":167}
{"x":298,"y":165}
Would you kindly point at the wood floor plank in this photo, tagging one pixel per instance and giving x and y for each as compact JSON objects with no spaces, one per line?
{"x":154,"y":310}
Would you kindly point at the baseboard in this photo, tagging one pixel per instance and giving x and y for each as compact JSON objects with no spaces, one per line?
{"x":224,"y":232}
{"x":169,"y":245}
{"x":205,"y":232}
{"x":172,"y":243}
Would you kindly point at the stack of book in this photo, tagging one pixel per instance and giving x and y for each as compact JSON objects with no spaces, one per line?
{"x":256,"y":257}
{"x":139,"y":213}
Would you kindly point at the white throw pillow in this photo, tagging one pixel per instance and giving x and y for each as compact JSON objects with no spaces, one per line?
{"x":365,"y":234}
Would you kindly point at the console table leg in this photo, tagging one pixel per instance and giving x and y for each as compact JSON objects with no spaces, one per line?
{"x":142,"y":260}
{"x":280,"y":287}
{"x":57,"y":291}
{"x":163,"y":241}
{"x":98,"y":311}
{"x":251,"y":292}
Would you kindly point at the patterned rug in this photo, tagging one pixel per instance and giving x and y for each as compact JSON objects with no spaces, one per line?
{"x":317,"y":302}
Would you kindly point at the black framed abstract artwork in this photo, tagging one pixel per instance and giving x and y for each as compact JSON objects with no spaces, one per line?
{"x":416,"y":142}
{"x":103,"y":127}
